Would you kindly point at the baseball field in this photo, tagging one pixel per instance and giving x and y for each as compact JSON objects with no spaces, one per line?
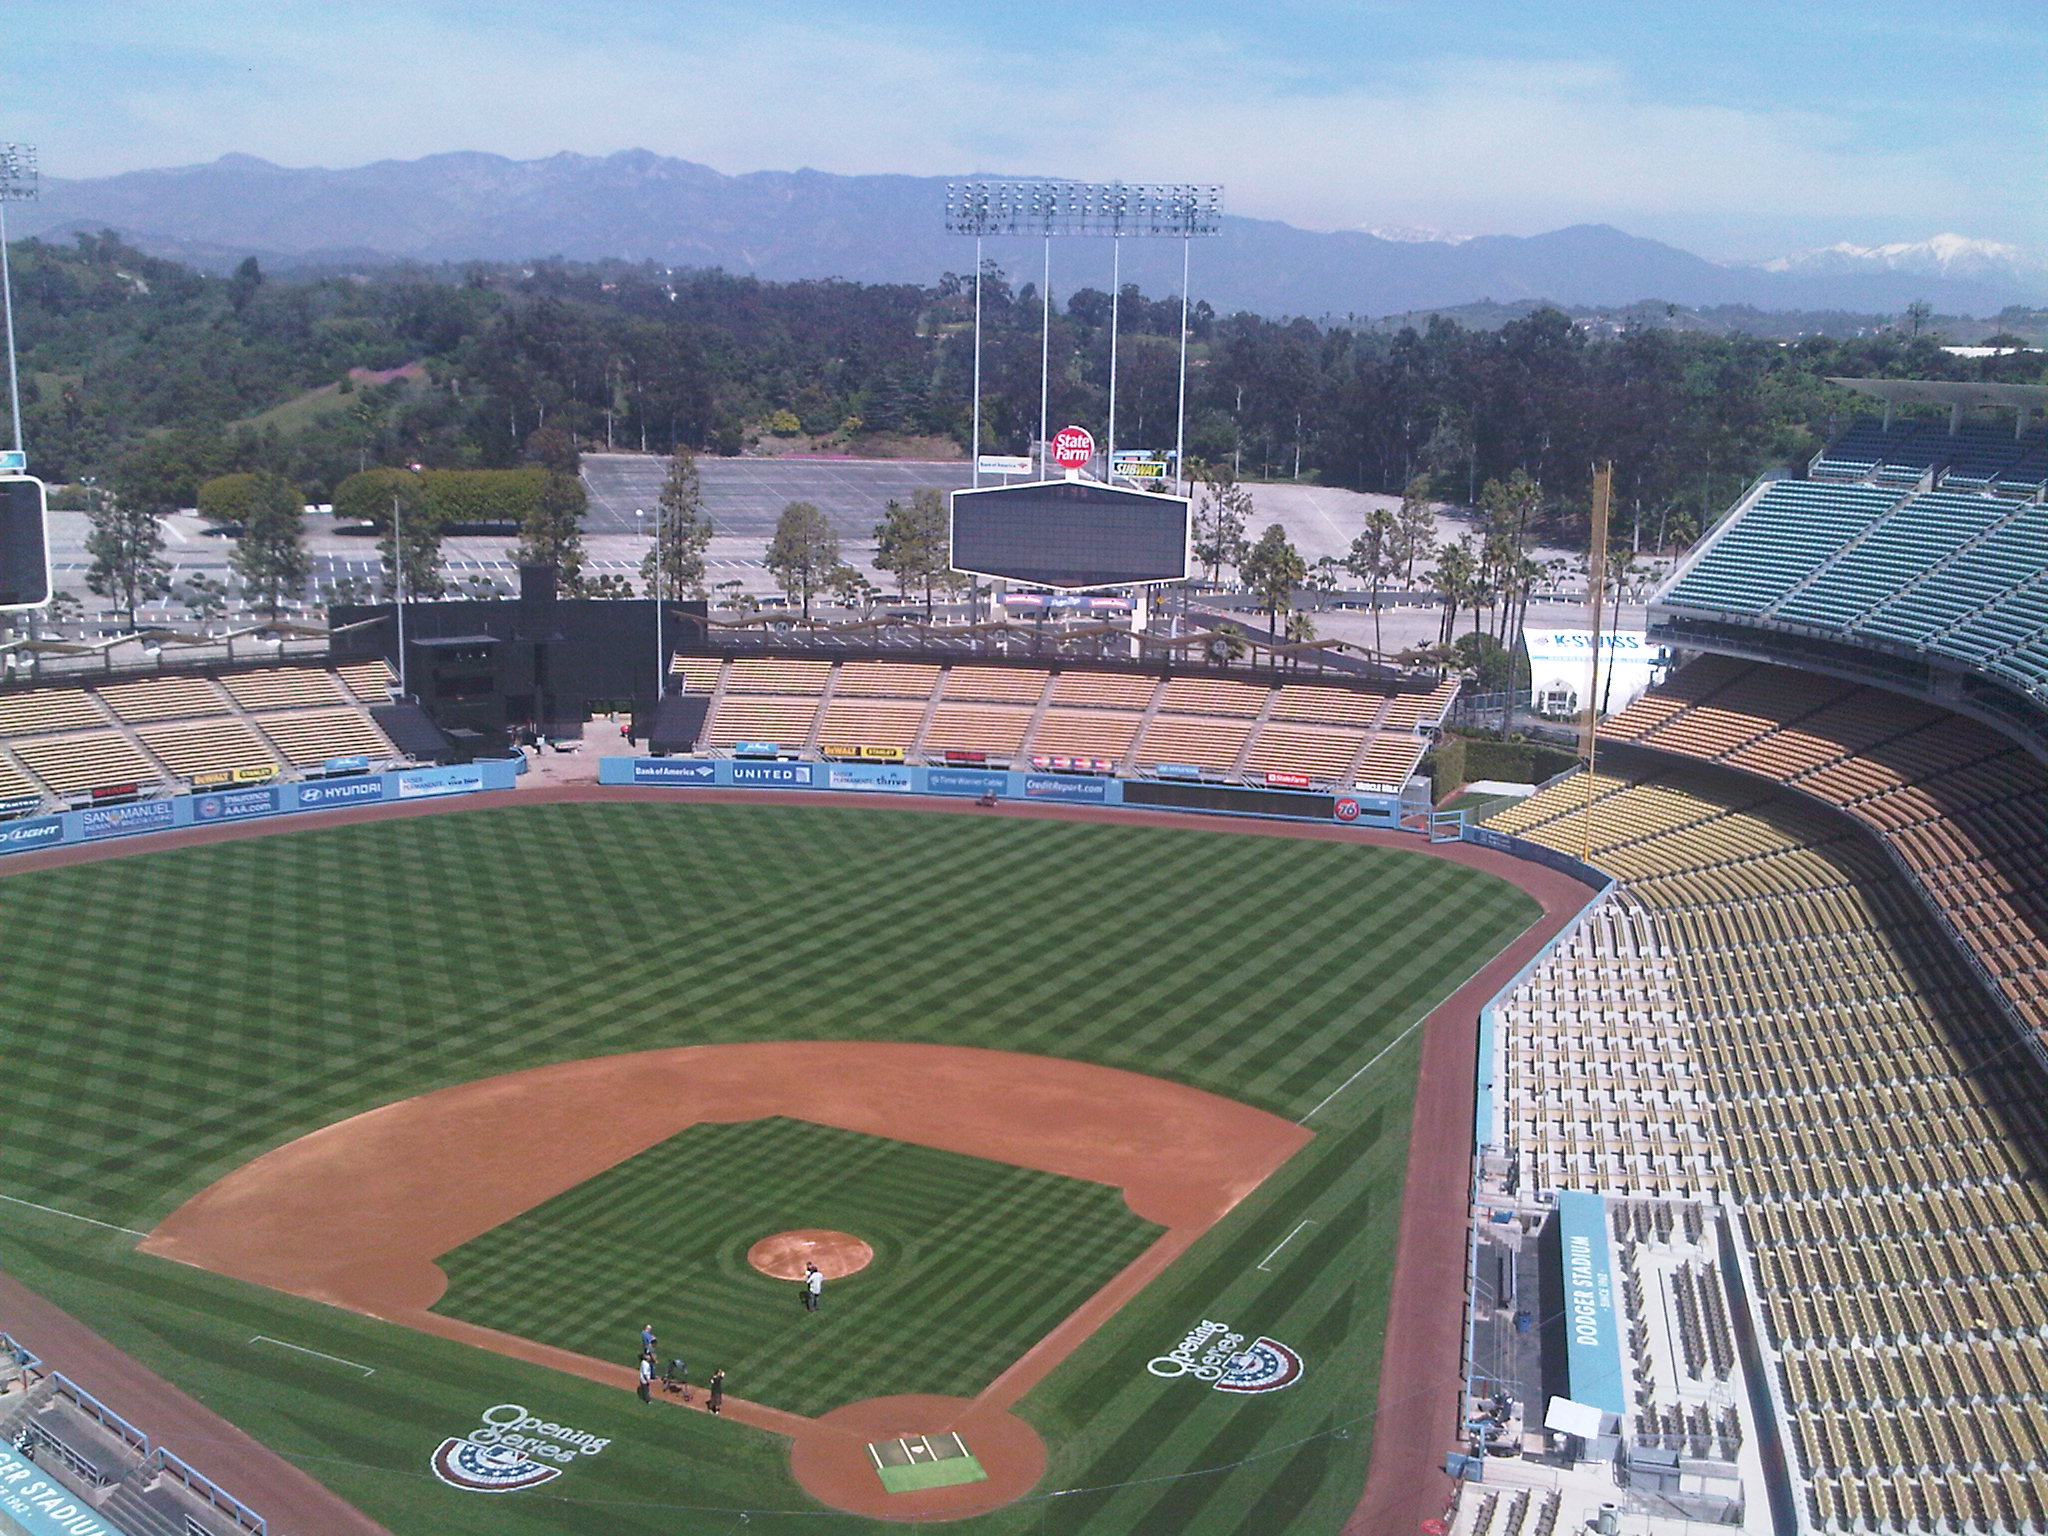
{"x":1083,"y":1089}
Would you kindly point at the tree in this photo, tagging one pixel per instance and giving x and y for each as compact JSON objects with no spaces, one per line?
{"x":270,"y":555}
{"x":1372,"y":558}
{"x":1226,"y":644}
{"x":1453,"y":579}
{"x":395,"y":501}
{"x":684,"y":534}
{"x":1301,"y":629}
{"x":804,"y":552}
{"x":911,"y":544}
{"x":1219,"y":521}
{"x":243,"y":285}
{"x":554,"y":451}
{"x":1273,"y":568}
{"x":552,"y":532}
{"x":226,"y":500}
{"x":1416,"y":528}
{"x":204,"y":597}
{"x":126,"y":544}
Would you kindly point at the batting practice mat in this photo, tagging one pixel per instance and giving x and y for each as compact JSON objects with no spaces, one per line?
{"x":925,"y":1461}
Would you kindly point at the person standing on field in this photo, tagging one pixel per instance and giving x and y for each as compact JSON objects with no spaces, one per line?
{"x":717,"y":1401}
{"x":647,"y":1340}
{"x":646,"y":1377}
{"x":814,"y":1286}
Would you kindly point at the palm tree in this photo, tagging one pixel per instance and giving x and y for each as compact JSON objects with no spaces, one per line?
{"x":1301,"y":628}
{"x":1454,"y":578}
{"x":1372,"y":558}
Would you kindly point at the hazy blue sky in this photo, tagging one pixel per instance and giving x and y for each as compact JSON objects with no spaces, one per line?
{"x":1736,"y":129}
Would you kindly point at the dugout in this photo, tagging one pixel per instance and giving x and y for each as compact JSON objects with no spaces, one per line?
{"x":487,"y":671}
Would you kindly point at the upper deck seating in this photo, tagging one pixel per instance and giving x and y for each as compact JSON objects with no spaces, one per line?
{"x":209,"y":746}
{"x":72,"y":765}
{"x":309,"y":737}
{"x":47,"y":709}
{"x":163,"y":698}
{"x":1785,"y":535}
{"x":1899,"y":551}
{"x":283,"y":687}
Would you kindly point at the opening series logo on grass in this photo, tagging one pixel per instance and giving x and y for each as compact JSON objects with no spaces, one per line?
{"x":510,"y":1450}
{"x":1211,"y":1352}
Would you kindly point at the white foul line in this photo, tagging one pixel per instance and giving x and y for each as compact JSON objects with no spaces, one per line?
{"x":72,"y":1215}
{"x":1290,"y":1237}
{"x":264,"y":1338}
{"x":1354,"y":1077}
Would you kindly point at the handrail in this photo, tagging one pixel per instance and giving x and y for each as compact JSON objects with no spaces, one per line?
{"x":212,"y":1492}
{"x":100,"y":1412}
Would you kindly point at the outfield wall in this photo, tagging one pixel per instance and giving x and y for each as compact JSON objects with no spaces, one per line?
{"x":1358,"y":809}
{"x":218,"y":807}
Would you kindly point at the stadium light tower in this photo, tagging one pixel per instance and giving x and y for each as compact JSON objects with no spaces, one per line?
{"x":18,"y":184}
{"x":1114,"y":210}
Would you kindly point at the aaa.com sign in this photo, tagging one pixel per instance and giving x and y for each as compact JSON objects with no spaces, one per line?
{"x":1073,"y":447}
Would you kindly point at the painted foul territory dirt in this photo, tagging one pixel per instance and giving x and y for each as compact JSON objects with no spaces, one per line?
{"x":786,"y":1255}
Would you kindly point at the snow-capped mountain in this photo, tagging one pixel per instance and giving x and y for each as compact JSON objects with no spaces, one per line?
{"x":1411,"y":234}
{"x":1945,"y":255}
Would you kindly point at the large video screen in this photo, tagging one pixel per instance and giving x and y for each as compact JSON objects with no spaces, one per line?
{"x":24,"y":548}
{"x":1070,"y":533}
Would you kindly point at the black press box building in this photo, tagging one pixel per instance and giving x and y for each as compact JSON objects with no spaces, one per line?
{"x":487,"y":673}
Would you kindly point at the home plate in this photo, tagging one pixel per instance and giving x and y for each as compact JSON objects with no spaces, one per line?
{"x":925,"y":1461}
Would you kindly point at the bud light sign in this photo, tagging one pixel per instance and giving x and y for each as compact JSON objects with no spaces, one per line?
{"x":19,"y":836}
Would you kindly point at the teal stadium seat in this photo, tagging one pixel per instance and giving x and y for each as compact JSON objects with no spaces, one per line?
{"x":1790,"y":531}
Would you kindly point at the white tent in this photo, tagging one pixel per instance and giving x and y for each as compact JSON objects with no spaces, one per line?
{"x":1561,"y":668}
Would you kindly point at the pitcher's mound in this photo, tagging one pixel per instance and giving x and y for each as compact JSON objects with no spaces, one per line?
{"x":784,"y":1255}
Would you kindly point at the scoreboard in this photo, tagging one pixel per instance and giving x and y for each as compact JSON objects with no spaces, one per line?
{"x":1070,"y":534}
{"x":24,"y":544}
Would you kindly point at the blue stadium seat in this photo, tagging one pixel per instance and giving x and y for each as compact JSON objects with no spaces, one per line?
{"x":1789,"y":532}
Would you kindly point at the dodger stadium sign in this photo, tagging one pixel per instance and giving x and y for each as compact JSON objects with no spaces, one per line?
{"x":510,"y":1450}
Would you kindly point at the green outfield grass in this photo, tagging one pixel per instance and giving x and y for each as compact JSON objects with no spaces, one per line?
{"x":956,"y":1291}
{"x":165,"y":1017}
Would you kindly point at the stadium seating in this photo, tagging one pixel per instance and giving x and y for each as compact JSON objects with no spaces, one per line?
{"x":192,"y":750}
{"x":1786,"y":534}
{"x":309,"y":737}
{"x":165,"y":731}
{"x":1953,"y":572}
{"x":284,"y":687}
{"x":1228,"y":727}
{"x":1878,"y":1137}
{"x":1960,"y":806}
{"x":1597,"y":1089}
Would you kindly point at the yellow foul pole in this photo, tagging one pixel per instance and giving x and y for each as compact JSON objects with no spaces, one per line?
{"x":1596,"y":587}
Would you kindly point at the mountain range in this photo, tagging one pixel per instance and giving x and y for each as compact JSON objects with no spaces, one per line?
{"x":636,"y":205}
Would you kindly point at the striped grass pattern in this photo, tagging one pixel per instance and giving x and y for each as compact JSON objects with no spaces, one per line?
{"x":165,"y":1017}
{"x":975,"y":1261}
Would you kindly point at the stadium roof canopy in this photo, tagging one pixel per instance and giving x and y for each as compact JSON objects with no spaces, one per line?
{"x":1950,"y":392}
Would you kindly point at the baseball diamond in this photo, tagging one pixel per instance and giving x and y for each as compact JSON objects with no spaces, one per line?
{"x":355,"y":981}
